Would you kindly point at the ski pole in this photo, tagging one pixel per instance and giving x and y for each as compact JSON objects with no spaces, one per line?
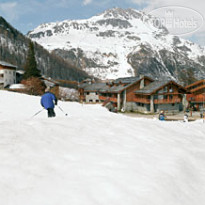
{"x":62,"y":110}
{"x":37,"y":113}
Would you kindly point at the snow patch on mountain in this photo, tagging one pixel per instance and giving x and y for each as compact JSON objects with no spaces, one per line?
{"x":108,"y":38}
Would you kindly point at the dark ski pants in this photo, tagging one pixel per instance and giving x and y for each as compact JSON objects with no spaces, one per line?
{"x":51,"y":112}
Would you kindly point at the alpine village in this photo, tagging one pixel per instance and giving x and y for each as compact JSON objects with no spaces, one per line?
{"x":28,"y":67}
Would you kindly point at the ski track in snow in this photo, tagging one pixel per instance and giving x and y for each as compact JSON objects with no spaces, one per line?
{"x":94,"y":157}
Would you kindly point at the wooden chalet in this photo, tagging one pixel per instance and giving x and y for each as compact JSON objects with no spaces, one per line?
{"x":164,"y":95}
{"x":121,"y":91}
{"x":141,"y":94}
{"x":196,"y":96}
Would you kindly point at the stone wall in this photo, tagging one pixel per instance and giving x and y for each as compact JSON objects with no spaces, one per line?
{"x":135,"y":107}
{"x":175,"y":107}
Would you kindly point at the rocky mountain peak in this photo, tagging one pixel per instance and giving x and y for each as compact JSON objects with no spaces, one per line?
{"x":121,"y":43}
{"x":125,"y":14}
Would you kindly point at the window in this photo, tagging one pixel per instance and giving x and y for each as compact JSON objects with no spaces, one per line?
{"x":165,"y":89}
{"x":156,"y":97}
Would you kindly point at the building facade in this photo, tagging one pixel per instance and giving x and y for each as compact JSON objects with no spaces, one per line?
{"x":121,"y":91}
{"x":7,"y":74}
{"x":196,"y":94}
{"x":164,"y":95}
{"x":137,"y":94}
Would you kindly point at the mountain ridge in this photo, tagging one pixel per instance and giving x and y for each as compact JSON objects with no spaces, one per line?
{"x":121,"y":43}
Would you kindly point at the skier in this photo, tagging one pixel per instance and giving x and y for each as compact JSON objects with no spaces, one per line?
{"x":48,"y":101}
{"x":185,"y":117}
{"x":162,"y":116}
{"x":201,"y":113}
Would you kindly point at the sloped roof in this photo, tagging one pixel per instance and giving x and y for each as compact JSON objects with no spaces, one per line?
{"x":154,"y":86}
{"x":94,"y":86}
{"x":83,"y":85}
{"x":113,"y":89}
{"x":195,"y":83}
{"x":126,"y":80}
{"x":3,"y":63}
{"x":49,"y":82}
{"x":116,"y":86}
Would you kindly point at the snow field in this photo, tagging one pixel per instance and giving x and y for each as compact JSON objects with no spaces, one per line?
{"x":94,"y":157}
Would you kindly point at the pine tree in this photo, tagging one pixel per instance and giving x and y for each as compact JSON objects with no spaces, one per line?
{"x":31,"y":65}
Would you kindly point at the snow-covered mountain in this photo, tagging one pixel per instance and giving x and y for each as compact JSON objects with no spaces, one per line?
{"x":120,"y":43}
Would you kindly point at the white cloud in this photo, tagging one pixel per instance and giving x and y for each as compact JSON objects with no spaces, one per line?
{"x":196,"y":5}
{"x":86,"y":2}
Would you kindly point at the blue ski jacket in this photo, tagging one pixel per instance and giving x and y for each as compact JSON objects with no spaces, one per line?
{"x":48,"y":100}
{"x":161,"y":117}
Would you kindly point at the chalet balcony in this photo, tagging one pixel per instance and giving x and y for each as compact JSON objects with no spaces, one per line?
{"x":142,"y":100}
{"x":199,"y":88}
{"x":112,"y":99}
{"x":197,"y":99}
{"x":103,"y":98}
{"x":167,"y":101}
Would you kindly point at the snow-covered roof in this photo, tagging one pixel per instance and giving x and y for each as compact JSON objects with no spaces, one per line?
{"x":3,"y":63}
{"x":20,"y":72}
{"x":17,"y":86}
{"x":49,"y":81}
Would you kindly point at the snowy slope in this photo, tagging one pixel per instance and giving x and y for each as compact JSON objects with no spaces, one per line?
{"x":103,"y":45}
{"x":108,"y":159}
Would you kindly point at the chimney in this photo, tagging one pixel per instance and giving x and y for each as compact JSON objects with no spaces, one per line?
{"x":142,"y":81}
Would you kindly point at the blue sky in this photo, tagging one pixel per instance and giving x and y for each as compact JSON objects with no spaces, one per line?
{"x":25,"y":15}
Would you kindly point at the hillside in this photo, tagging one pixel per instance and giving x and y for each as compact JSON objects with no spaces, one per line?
{"x":108,"y":159}
{"x":120,"y":43}
{"x":13,"y":49}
